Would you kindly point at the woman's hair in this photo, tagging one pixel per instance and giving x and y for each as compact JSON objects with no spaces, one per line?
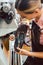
{"x":27,"y":5}
{"x":22,"y":28}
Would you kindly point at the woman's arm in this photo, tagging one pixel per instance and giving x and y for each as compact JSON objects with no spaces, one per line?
{"x":27,"y":53}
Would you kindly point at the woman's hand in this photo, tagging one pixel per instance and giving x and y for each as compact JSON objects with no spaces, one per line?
{"x":22,"y":51}
{"x":27,"y":53}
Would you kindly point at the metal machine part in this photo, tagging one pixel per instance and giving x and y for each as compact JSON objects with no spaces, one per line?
{"x":20,"y":39}
{"x":11,"y":49}
{"x":6,"y":7}
{"x":15,"y":59}
{"x":6,"y":11}
{"x":7,"y":1}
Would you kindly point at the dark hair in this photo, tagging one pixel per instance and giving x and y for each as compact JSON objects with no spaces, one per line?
{"x":25,"y":4}
{"x":21,"y":4}
{"x":21,"y":28}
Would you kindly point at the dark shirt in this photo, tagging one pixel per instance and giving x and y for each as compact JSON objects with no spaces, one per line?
{"x":36,"y":47}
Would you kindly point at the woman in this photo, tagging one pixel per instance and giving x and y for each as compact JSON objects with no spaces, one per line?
{"x":32,"y":9}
